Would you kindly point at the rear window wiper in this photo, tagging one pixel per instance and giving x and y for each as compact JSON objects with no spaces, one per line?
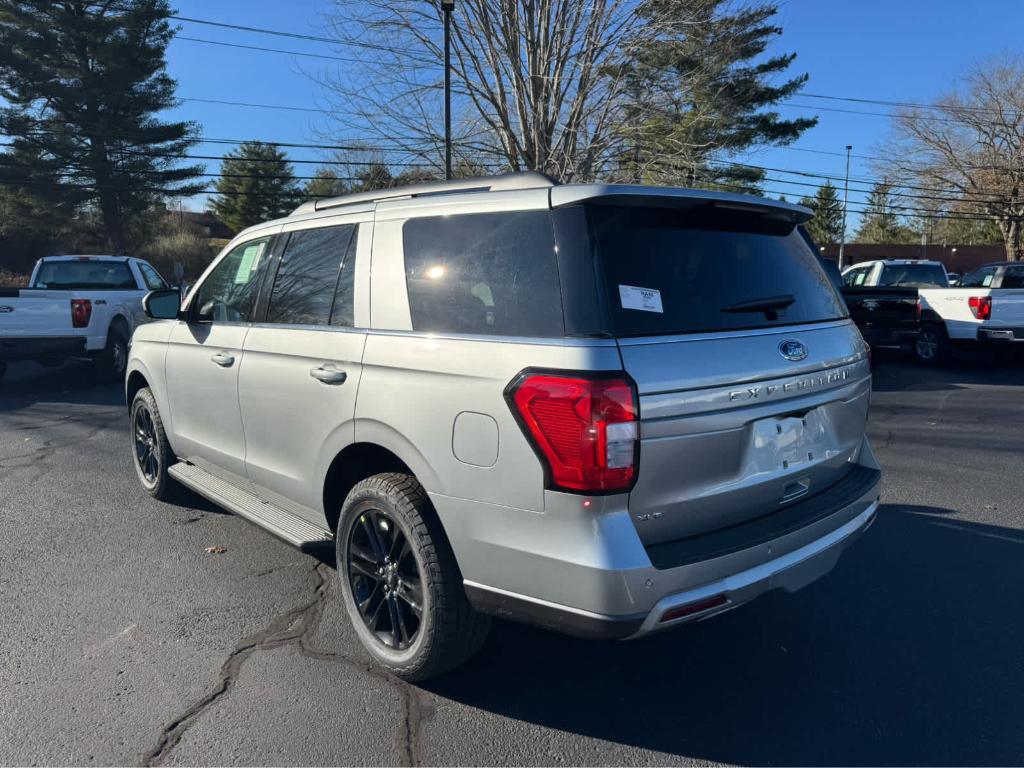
{"x":766,"y":304}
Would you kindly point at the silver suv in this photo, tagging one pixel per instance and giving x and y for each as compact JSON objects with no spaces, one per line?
{"x":606,"y":410}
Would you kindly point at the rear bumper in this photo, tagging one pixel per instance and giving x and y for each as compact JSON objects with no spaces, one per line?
{"x":601,"y":583}
{"x":889,"y":337}
{"x":1000,"y":335}
{"x":35,"y":347}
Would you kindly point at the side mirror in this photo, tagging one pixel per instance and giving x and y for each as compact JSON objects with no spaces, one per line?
{"x":164,"y":304}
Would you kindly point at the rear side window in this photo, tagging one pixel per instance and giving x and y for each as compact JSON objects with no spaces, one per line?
{"x":86,"y":275}
{"x":152,"y":278}
{"x":671,"y":271}
{"x":307,"y":279}
{"x":1013,"y":277}
{"x":914,"y":276}
{"x":483,"y":273}
{"x":979,"y":278}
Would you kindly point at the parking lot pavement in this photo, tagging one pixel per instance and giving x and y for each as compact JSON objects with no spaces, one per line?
{"x":122,"y":641}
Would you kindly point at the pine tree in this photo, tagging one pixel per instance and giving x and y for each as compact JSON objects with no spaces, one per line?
{"x":325,"y":184}
{"x":827,"y":224}
{"x":697,"y":90}
{"x":256,"y":184}
{"x":83,"y":84}
{"x":880,"y":223}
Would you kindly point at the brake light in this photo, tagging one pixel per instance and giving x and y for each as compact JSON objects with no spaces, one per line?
{"x":981,"y":306}
{"x":81,"y":311}
{"x":918,"y":310}
{"x":583,"y":428}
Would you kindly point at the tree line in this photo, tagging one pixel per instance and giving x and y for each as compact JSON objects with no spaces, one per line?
{"x":638,"y":91}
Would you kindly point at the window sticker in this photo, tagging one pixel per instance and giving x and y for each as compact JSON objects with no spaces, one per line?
{"x":250,"y":261}
{"x":643,"y":299}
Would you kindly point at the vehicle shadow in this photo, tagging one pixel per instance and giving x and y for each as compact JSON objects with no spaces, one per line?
{"x":910,"y":652}
{"x":76,"y":382}
{"x":903,"y":375}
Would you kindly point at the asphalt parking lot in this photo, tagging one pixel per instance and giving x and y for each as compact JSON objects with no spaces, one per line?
{"x":122,"y":641}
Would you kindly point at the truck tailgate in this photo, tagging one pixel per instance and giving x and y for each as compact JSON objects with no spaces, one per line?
{"x":731,"y":430}
{"x":35,"y":312}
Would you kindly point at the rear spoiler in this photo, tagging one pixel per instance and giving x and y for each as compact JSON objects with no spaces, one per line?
{"x":627,"y":194}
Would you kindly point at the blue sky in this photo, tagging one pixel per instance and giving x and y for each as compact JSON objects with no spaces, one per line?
{"x":902,"y":50}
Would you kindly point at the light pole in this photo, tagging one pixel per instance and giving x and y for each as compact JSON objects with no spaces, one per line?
{"x":447,"y":6}
{"x":846,"y":197}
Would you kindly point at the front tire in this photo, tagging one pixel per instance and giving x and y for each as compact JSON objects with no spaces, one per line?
{"x":151,"y":453}
{"x":932,"y":345}
{"x":400,"y":583}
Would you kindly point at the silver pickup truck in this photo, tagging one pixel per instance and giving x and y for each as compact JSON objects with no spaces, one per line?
{"x":76,"y":306}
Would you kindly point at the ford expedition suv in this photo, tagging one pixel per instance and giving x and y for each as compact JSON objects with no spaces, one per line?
{"x":607,"y":410}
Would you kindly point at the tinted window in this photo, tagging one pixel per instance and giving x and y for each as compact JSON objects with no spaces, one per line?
{"x":308,"y":276}
{"x":491,"y":273}
{"x":689,"y":271}
{"x":86,"y":275}
{"x":979,"y":278}
{"x":151,"y":277}
{"x":229,"y":291}
{"x":914,"y":276}
{"x":1013,"y":277}
{"x":344,"y":295}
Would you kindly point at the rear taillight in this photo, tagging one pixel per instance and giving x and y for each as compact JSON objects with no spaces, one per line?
{"x":584,"y":428}
{"x":918,"y":309}
{"x":981,"y":306}
{"x":81,"y":311}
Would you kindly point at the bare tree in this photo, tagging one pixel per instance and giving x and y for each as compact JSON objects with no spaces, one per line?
{"x":969,"y":145}
{"x":534,"y":81}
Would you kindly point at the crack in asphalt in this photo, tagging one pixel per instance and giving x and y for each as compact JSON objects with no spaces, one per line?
{"x":294,"y":628}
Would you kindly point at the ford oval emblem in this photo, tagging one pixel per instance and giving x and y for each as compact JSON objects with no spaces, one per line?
{"x":791,"y":349}
{"x":6,"y":310}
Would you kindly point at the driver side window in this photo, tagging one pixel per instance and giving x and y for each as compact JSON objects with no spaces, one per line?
{"x":228,"y":294}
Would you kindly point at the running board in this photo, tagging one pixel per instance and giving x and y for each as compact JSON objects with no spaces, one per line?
{"x":282,"y":524}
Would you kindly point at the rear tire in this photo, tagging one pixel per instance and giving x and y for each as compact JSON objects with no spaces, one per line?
{"x":400,"y":583}
{"x":151,"y":453}
{"x":932,"y":345}
{"x":113,"y":360}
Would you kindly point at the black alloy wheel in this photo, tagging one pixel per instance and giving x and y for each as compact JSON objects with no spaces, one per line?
{"x":146,"y":455}
{"x":386,"y":581}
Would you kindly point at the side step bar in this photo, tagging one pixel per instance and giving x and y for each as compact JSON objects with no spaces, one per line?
{"x":282,"y":524}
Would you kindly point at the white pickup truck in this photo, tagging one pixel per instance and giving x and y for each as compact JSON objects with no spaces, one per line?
{"x":76,"y":306}
{"x":986,"y":306}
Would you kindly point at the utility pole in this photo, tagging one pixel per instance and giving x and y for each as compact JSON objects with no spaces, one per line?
{"x":846,"y":197}
{"x":447,"y":6}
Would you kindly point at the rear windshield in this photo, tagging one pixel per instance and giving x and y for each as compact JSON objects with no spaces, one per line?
{"x":698,"y":270}
{"x":914,"y":276}
{"x":85,"y":275}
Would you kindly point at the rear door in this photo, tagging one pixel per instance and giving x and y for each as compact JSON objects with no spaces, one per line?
{"x":753,"y":382}
{"x":303,"y":361}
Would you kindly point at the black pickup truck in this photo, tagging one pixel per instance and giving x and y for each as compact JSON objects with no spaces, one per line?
{"x":887,"y":317}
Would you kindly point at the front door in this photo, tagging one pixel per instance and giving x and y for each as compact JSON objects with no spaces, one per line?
{"x":204,"y":356}
{"x":298,"y":386}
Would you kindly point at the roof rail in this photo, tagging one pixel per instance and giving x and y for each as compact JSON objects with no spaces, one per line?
{"x":507,"y":181}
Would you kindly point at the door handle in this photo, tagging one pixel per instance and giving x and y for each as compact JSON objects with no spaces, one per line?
{"x":223,"y":359}
{"x":328,"y":374}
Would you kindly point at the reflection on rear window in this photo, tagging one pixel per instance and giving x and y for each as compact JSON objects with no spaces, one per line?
{"x":85,"y":275}
{"x":691,"y":271}
{"x":914,"y":276}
